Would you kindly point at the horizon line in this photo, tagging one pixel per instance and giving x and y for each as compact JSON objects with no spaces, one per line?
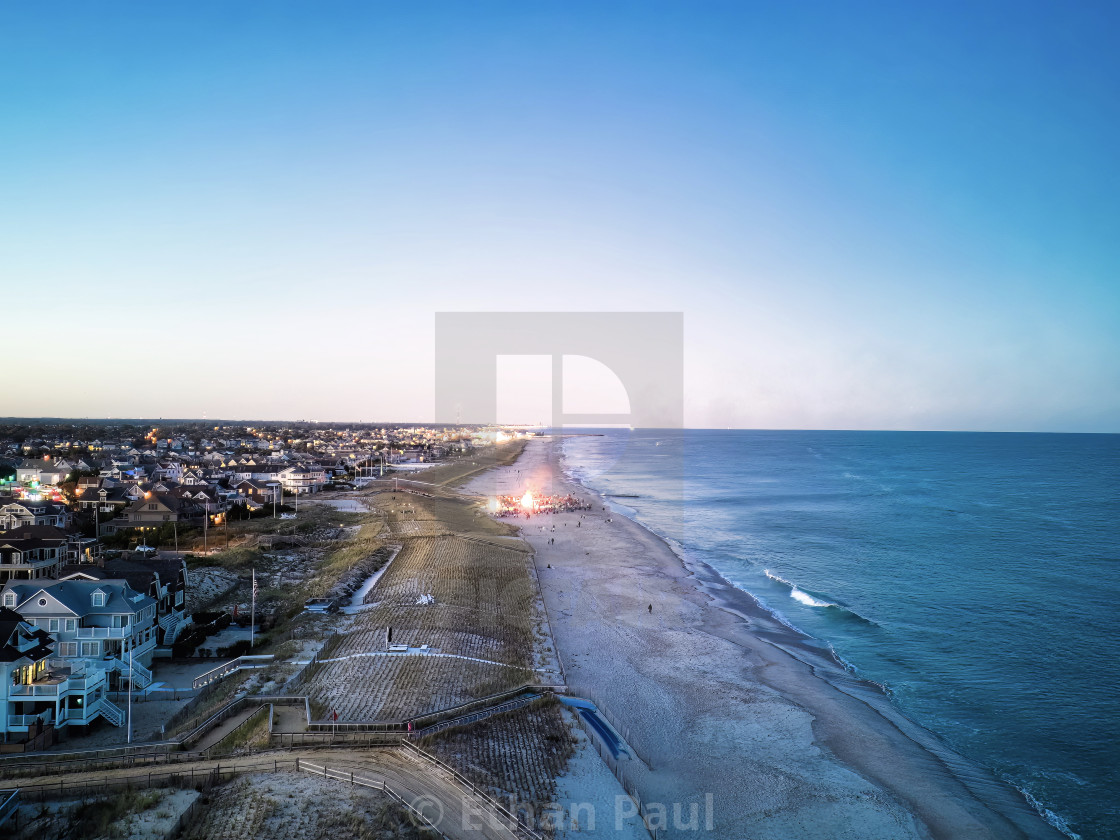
{"x":230,"y":421}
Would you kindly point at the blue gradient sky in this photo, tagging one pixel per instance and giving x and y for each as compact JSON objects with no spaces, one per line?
{"x":872,"y":215}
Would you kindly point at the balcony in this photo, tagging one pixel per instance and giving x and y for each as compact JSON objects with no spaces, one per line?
{"x":25,"y":721}
{"x":104,"y":632}
{"x":60,"y":680}
{"x":28,"y":564}
{"x":39,"y":689}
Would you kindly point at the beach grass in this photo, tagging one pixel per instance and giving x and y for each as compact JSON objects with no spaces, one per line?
{"x":455,"y":473}
{"x":460,"y":585}
{"x":516,"y":754}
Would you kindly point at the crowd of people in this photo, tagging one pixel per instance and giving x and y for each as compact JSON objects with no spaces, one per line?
{"x":515,"y":505}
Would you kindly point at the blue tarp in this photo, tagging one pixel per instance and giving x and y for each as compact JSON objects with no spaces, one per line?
{"x":598,"y":724}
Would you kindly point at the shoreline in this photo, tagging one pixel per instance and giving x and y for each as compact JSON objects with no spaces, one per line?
{"x":742,"y":706}
{"x":726,"y":595}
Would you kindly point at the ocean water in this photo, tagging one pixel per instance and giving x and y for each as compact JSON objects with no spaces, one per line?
{"x":975,"y":576}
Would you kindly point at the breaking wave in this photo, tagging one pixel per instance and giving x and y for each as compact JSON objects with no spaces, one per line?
{"x":815,"y":599}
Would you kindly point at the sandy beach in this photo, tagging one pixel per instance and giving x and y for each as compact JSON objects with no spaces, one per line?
{"x":716,"y":697}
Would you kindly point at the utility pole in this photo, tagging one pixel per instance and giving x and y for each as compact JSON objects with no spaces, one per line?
{"x":130,"y":691}
{"x":253,"y":612}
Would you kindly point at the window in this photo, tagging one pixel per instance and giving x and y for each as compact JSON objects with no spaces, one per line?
{"x":9,"y":599}
{"x":52,"y":625}
{"x":91,"y":648}
{"x":71,"y":624}
{"x":99,"y":598}
{"x":68,"y":649}
{"x":153,"y":507}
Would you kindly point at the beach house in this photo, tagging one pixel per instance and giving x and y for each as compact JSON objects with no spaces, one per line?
{"x":302,"y":479}
{"x":102,"y":622}
{"x":165,"y":580}
{"x":31,"y":552}
{"x":18,"y":514}
{"x":37,"y":692}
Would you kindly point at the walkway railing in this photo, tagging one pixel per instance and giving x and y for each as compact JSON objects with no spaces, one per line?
{"x":466,"y":720}
{"x":9,"y":801}
{"x":246,"y":661}
{"x":426,"y":720}
{"x":110,"y":711}
{"x":515,"y":824}
{"x":214,"y":749}
{"x":192,"y":776}
{"x":377,"y":784}
{"x":143,"y":677}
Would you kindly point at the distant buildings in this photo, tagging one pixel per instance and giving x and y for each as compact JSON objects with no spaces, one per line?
{"x":32,"y":552}
{"x":22,"y":513}
{"x":69,"y":618}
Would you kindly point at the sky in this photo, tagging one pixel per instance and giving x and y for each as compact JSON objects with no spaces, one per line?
{"x":872,"y":215}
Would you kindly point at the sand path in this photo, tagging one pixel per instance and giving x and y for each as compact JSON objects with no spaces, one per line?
{"x":457,"y":813}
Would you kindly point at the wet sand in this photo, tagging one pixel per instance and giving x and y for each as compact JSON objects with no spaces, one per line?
{"x":718,"y":697}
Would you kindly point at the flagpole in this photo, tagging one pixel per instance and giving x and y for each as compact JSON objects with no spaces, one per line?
{"x":253,"y":613}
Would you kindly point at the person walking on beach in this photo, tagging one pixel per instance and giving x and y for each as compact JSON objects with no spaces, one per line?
{"x":651,"y":609}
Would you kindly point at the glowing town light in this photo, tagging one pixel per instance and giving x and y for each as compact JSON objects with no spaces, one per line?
{"x":527,"y":500}
{"x":493,"y":504}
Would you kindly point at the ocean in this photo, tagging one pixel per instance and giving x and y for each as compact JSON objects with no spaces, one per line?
{"x":974,"y":576}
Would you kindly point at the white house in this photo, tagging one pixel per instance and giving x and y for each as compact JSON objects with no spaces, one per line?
{"x":303,"y":479}
{"x":44,"y":472}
